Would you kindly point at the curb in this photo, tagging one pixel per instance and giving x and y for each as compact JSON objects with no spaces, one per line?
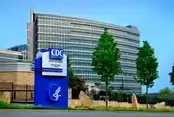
{"x":45,"y":110}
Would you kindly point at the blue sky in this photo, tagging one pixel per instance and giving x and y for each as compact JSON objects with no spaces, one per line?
{"x":154,"y":19}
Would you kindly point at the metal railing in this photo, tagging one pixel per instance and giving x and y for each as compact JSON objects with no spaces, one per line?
{"x":19,"y":93}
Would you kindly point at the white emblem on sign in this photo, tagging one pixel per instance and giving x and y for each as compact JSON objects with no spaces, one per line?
{"x":56,"y":93}
{"x":55,"y":52}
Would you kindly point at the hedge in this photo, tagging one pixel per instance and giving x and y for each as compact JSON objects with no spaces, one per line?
{"x":141,"y":99}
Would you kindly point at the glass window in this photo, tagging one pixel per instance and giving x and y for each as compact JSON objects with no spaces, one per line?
{"x":10,"y":56}
{"x":127,"y":46}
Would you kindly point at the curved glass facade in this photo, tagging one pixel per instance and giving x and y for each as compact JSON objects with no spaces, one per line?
{"x":79,"y":37}
{"x":19,"y":48}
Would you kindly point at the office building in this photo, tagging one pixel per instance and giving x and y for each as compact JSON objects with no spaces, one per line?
{"x":21,"y":48}
{"x":12,"y":60}
{"x":78,"y":37}
{"x":10,"y":56}
{"x":14,"y":68}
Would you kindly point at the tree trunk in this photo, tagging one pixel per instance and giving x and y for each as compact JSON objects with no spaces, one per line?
{"x":147,"y":96}
{"x":106,"y":99}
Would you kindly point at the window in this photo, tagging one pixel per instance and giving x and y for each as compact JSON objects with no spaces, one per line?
{"x":127,"y":46}
{"x":128,"y":74}
{"x":9,"y":55}
{"x":128,"y":67}
{"x":127,"y":60}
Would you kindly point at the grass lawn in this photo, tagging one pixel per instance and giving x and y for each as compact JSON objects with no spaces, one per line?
{"x":112,"y":109}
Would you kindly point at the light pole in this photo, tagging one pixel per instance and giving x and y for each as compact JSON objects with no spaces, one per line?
{"x":122,"y":83}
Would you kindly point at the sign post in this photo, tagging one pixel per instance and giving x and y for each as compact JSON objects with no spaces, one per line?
{"x":51,"y":80}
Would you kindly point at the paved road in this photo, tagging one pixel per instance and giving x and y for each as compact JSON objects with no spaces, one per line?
{"x":80,"y":114}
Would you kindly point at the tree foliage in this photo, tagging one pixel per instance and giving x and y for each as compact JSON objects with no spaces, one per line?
{"x":172,"y":76}
{"x":105,"y":57}
{"x":146,"y":64}
{"x":80,"y":86}
{"x":105,"y":60}
{"x":120,"y":95}
{"x":72,"y":81}
{"x":80,"y":83}
{"x":166,"y":92}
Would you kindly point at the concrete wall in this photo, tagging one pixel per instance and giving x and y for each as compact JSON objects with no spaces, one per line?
{"x":17,"y":72}
{"x":15,"y":66}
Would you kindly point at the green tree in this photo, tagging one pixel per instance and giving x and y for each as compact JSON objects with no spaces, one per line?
{"x":172,"y":76}
{"x":166,"y":92}
{"x":72,"y":81}
{"x":146,"y":64}
{"x":105,"y":60}
{"x":110,"y":88}
{"x":120,"y":95}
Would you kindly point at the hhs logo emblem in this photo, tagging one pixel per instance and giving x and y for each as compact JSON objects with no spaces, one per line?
{"x":56,"y":53}
{"x":54,"y":93}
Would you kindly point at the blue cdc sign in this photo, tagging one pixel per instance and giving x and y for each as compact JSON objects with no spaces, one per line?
{"x":56,"y":53}
{"x":51,"y":81}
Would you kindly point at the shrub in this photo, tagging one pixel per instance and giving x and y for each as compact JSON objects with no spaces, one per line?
{"x":4,"y":105}
{"x":156,"y":99}
{"x":141,"y":98}
{"x":80,"y":86}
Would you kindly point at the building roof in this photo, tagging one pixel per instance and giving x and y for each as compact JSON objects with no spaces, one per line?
{"x":21,"y":47}
{"x":105,"y":24}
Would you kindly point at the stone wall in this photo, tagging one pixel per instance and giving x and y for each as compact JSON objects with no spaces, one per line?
{"x":8,"y":77}
{"x":75,"y":102}
{"x":100,"y":103}
{"x":17,"y":77}
{"x":18,"y":80}
{"x":24,"y":78}
{"x":5,"y":97}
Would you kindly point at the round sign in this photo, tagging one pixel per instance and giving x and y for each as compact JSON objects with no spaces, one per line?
{"x":55,"y":92}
